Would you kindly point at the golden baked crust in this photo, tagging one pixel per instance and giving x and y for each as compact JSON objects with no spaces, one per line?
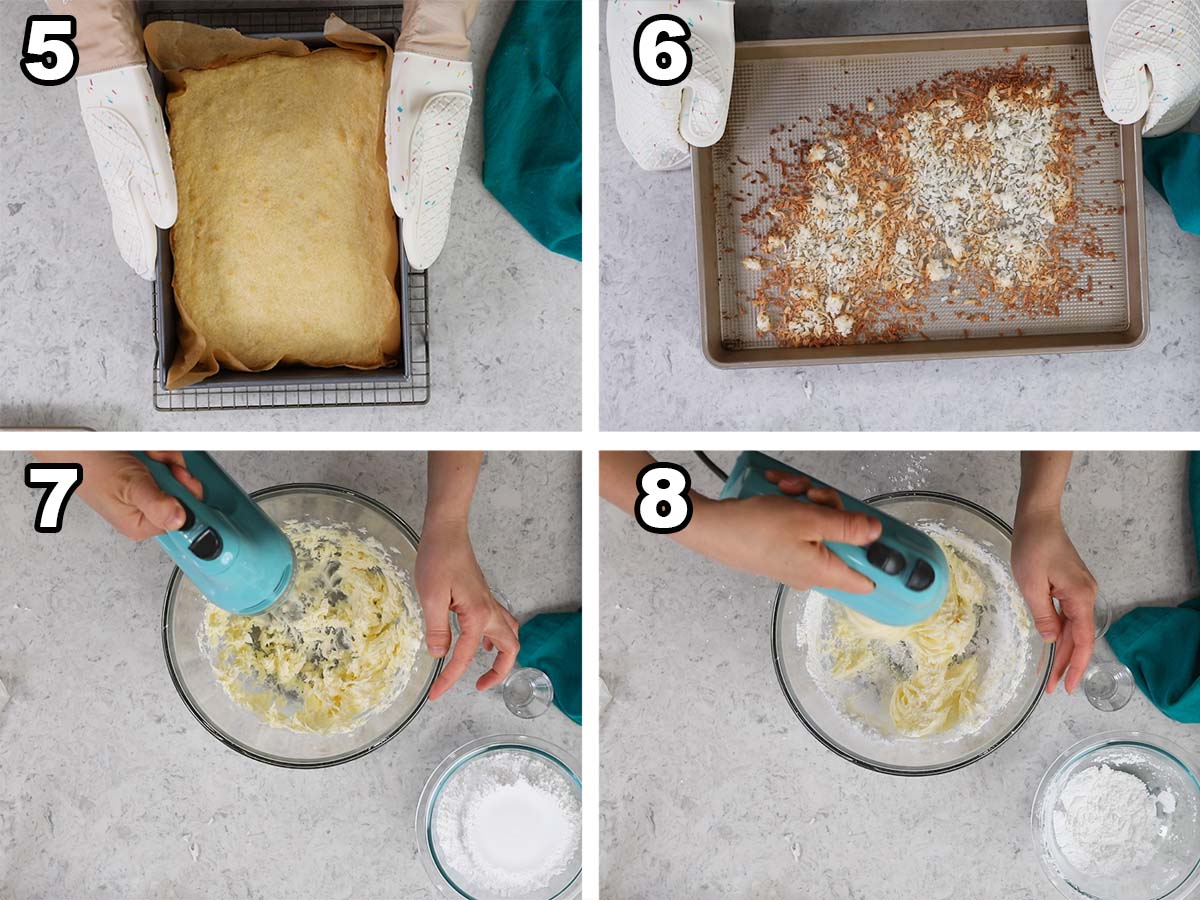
{"x":285,"y":247}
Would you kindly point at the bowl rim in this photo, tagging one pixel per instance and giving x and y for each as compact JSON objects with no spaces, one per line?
{"x":455,"y":760}
{"x":294,"y":487}
{"x":1180,"y":755}
{"x":781,"y":593}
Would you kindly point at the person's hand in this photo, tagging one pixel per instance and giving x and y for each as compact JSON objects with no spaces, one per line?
{"x":122,"y":490}
{"x":449,"y":580}
{"x":660,"y":125}
{"x":1047,"y":568}
{"x":1147,"y":58}
{"x":784,"y":539}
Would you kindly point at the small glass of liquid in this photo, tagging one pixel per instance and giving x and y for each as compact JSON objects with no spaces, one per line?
{"x":1108,"y":683}
{"x":527,"y":692}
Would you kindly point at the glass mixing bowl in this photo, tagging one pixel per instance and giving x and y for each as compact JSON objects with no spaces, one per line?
{"x":898,"y":755}
{"x":241,"y":729}
{"x":1174,"y":871}
{"x":450,"y":883}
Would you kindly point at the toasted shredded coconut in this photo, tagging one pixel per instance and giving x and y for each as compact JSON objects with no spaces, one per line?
{"x":959,"y":191}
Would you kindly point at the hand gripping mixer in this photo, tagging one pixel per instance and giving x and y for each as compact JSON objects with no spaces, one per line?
{"x":234,"y":554}
{"x":909,"y":570}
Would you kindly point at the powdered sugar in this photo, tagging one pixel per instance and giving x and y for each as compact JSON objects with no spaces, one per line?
{"x":909,"y":471}
{"x":1109,"y":822}
{"x":508,"y":824}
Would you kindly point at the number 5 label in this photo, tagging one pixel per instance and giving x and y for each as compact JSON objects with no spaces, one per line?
{"x":48,"y":57}
{"x":663,"y":504}
{"x":62,"y":479}
{"x":661,"y":52}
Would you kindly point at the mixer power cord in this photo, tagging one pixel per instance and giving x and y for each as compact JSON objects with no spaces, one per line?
{"x":712,"y":466}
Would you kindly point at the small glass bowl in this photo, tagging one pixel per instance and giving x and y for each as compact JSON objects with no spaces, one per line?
{"x":569,"y":885}
{"x":193,"y":676}
{"x":1174,"y":871}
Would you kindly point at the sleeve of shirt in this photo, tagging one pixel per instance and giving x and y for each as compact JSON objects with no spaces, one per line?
{"x":108,"y":33}
{"x":437,"y":28}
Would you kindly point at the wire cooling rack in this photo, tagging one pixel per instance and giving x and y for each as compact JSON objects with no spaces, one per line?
{"x":382,"y":391}
{"x":268,"y":17}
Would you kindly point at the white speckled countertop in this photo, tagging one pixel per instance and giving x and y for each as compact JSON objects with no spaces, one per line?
{"x":106,"y":780}
{"x":655,"y":377}
{"x":711,"y":788}
{"x":78,"y":325}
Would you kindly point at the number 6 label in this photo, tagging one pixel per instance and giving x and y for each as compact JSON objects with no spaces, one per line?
{"x":660,"y":50}
{"x":48,"y":57}
{"x":663,"y":504}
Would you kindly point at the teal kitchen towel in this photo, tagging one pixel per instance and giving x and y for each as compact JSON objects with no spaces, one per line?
{"x":532,"y":131}
{"x":553,"y":642}
{"x":1172,"y":166}
{"x":1161,"y":644}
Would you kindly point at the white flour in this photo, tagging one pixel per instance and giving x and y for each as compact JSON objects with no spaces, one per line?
{"x":1108,"y":823}
{"x":508,"y":824}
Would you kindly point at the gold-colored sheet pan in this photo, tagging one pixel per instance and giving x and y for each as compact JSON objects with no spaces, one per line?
{"x":790,"y":82}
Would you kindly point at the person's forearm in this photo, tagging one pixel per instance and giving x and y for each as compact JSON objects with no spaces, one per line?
{"x":108,"y":33}
{"x":452,"y":478}
{"x":437,"y":28}
{"x":618,"y":485}
{"x":618,"y":476}
{"x":1043,"y":480}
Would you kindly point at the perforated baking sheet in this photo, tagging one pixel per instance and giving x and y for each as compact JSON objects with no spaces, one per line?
{"x":794,"y":83}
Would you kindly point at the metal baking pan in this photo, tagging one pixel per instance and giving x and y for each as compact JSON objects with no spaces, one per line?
{"x":166,"y":316}
{"x":779,"y":82}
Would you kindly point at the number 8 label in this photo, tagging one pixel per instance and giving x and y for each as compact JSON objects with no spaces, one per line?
{"x":663,"y":504}
{"x":660,"y":50}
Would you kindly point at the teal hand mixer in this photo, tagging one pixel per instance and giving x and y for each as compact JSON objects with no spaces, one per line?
{"x":908,"y":568}
{"x":234,"y":554}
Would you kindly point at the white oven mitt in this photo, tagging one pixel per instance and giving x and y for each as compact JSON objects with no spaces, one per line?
{"x":429,"y":102}
{"x":124,"y":123}
{"x":659,"y":125}
{"x":1147,"y":56}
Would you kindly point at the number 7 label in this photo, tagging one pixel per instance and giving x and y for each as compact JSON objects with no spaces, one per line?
{"x":61,"y":479}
